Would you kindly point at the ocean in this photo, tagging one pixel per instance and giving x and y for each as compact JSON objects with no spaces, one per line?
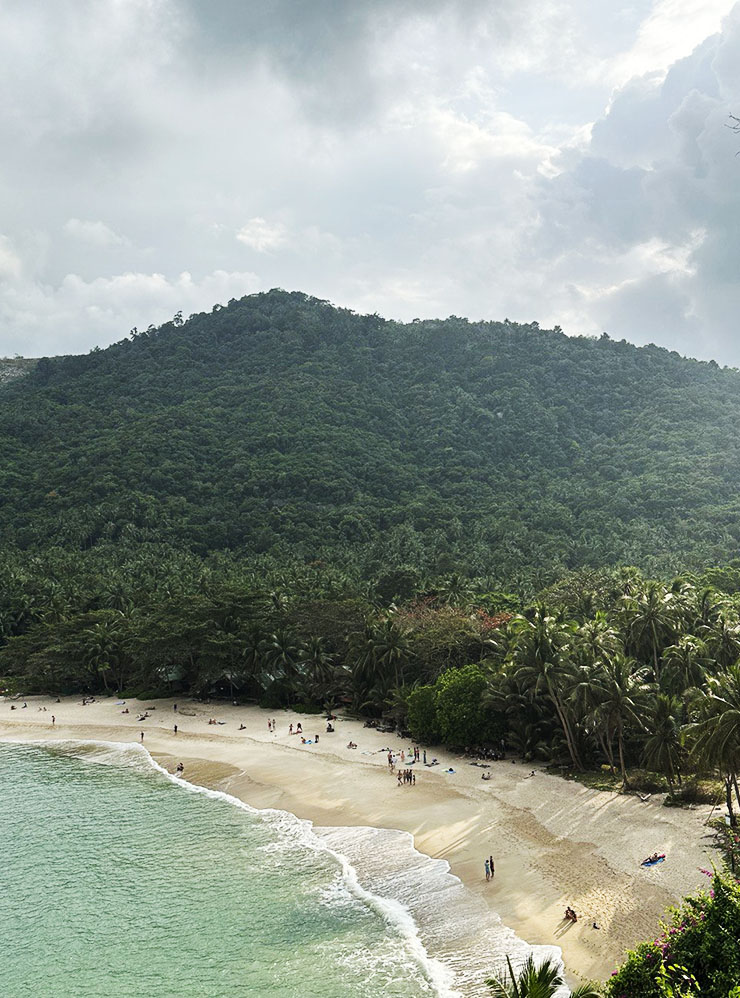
{"x":120,"y":880}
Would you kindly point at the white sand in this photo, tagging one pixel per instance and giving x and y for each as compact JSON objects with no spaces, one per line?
{"x":554,"y":842}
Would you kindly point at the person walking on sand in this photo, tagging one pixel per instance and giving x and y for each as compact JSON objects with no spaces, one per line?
{"x":175,"y":729}
{"x":142,"y":735}
{"x":174,"y":707}
{"x":53,"y":720}
{"x":488,"y":871}
{"x":492,"y":865}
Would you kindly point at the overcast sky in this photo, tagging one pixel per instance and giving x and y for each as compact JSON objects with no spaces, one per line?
{"x":565,"y":161}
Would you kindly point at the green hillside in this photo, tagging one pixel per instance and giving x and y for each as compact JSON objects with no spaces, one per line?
{"x":283,"y":425}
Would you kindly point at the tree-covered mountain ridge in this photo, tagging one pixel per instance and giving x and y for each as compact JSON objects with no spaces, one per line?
{"x":280,"y":424}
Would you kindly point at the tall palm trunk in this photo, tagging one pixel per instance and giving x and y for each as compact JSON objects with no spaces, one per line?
{"x":655,"y":654}
{"x":608,"y":750}
{"x":620,"y":744}
{"x":570,"y":741}
{"x":728,"y":795}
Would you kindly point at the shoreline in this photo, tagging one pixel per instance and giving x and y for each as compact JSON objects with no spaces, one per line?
{"x":554,"y":842}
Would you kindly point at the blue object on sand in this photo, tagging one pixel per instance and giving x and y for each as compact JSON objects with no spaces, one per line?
{"x":652,"y":862}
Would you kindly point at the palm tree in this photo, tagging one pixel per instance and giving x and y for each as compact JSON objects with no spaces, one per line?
{"x":390,"y":648}
{"x":541,"y":656}
{"x":622,"y":697}
{"x":684,"y":664}
{"x":532,"y":981}
{"x":663,"y":750}
{"x":708,"y":607}
{"x":254,"y":654}
{"x":722,"y":638}
{"x":716,"y":738}
{"x":650,"y":619}
{"x":318,"y":664}
{"x":281,"y":650}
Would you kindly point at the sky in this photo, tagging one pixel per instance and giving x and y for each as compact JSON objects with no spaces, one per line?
{"x":559,"y":161}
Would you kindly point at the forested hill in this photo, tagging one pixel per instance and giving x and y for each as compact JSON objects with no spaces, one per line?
{"x":283,"y":425}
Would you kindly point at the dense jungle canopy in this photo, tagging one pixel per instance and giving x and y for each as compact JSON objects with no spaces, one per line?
{"x":285,"y":427}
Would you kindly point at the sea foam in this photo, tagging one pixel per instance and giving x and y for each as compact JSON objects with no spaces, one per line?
{"x":451,"y":935}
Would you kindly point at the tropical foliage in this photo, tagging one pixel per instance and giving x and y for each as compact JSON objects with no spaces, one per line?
{"x":535,"y":981}
{"x":283,"y":427}
{"x":696,"y":956}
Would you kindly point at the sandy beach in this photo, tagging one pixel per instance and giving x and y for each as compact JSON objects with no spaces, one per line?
{"x":554,"y":842}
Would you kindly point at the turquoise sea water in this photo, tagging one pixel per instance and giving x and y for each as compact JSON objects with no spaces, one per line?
{"x":120,"y":881}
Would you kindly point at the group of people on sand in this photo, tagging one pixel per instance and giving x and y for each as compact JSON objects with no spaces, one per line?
{"x":414,"y":754}
{"x":490,"y":868}
{"x":406,"y":776}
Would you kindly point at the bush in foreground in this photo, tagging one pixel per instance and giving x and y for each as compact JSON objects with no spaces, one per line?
{"x":697,"y":955}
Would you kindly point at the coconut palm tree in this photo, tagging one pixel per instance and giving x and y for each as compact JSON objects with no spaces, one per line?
{"x":318,"y":667}
{"x":390,"y":648}
{"x":716,"y":737}
{"x":663,"y":750}
{"x":540,"y":654}
{"x":650,"y":618}
{"x":622,"y":695}
{"x":684,"y":664}
{"x":722,"y":637}
{"x":531,"y":981}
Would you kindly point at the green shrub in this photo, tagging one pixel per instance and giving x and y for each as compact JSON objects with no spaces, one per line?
{"x":700,"y":942}
{"x":422,"y":715}
{"x":461,"y":716}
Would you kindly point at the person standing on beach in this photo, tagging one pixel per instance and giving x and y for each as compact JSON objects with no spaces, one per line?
{"x":425,"y":757}
{"x":493,"y":868}
{"x":53,"y":720}
{"x":488,"y":871}
{"x":174,"y":707}
{"x":142,"y":735}
{"x":175,"y":729}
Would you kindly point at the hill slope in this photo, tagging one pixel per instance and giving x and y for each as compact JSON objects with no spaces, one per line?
{"x":281,"y":424}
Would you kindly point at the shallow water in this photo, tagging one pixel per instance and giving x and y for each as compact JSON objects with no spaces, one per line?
{"x":117,"y":882}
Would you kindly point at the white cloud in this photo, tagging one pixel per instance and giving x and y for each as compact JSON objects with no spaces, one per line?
{"x":95,"y":233}
{"x":428,"y":158}
{"x":78,"y":313}
{"x":263,"y":236}
{"x":10,"y":263}
{"x":670,"y":32}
